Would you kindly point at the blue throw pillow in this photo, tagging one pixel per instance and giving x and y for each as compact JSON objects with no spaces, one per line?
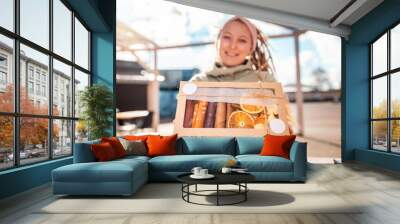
{"x":249,"y":145}
{"x":206,"y":145}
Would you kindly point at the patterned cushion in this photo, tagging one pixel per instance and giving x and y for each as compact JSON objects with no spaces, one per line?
{"x":135,"y":147}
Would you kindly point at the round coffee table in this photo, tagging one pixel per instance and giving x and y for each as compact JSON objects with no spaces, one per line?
{"x":238,"y":179}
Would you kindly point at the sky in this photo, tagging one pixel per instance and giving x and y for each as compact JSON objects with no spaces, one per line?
{"x":35,"y":27}
{"x":168,"y":23}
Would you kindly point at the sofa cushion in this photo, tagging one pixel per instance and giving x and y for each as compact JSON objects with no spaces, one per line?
{"x":257,"y":163}
{"x":249,"y":145}
{"x":132,"y":158}
{"x":161,"y":145}
{"x":103,"y":152}
{"x":138,"y":137}
{"x":112,"y":171}
{"x":134,"y":147}
{"x":275,"y":145}
{"x":206,"y":145}
{"x":116,"y":145}
{"x":185,"y":163}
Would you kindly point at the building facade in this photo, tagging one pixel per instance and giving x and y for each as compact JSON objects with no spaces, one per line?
{"x":34,"y":81}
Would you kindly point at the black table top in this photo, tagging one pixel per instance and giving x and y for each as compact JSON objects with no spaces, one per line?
{"x":220,"y":178}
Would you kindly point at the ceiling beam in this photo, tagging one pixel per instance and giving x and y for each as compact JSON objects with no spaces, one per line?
{"x":346,"y":12}
{"x":296,"y":32}
{"x":269,"y":15}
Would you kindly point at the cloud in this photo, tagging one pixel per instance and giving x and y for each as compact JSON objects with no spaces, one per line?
{"x":328,"y":51}
{"x":286,"y":67}
{"x":169,"y":23}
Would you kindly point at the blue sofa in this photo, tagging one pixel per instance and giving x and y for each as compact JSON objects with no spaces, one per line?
{"x":125,"y":176}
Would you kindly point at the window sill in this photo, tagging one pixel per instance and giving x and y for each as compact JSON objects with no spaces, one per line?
{"x":26,"y":167}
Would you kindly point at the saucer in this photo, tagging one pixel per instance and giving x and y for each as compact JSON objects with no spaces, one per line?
{"x":208,"y":176}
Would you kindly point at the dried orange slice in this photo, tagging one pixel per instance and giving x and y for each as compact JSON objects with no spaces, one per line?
{"x":250,"y":108}
{"x":240,"y":119}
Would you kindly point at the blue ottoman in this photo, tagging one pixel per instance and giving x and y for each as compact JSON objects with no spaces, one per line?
{"x":118,"y":177}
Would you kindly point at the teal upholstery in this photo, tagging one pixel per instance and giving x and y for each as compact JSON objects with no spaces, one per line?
{"x":206,"y":145}
{"x":249,"y":145}
{"x":83,"y":152}
{"x":119,"y":177}
{"x":128,"y":159}
{"x":184,"y":163}
{"x":257,"y":163}
{"x":298,"y":155}
{"x":126,"y":175}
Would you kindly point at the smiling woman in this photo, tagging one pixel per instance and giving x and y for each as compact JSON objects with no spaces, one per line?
{"x":235,"y":44}
{"x":243,"y":55}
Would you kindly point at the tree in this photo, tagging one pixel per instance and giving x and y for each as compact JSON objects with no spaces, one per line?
{"x":321,"y":79}
{"x":33,"y":131}
{"x":380,"y":127}
{"x":97,"y":104}
{"x":395,"y":123}
{"x":6,"y":122}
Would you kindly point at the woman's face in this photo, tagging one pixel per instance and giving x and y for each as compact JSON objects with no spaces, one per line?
{"x":234,"y":44}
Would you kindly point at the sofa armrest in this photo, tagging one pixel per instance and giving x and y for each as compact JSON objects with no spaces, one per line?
{"x":83,"y":152}
{"x":298,"y":155}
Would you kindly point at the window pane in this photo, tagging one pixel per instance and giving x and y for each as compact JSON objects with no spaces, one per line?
{"x":62,"y":29}
{"x":34,"y":72}
{"x":81,"y":131}
{"x":6,"y":75}
{"x":379,"y":98}
{"x":35,"y":21}
{"x":395,"y":138}
{"x":395,"y":47}
{"x":7,"y":14}
{"x":6,"y":142}
{"x":33,"y":139}
{"x":81,"y":81}
{"x":379,"y":55}
{"x":62,"y":138}
{"x":379,"y":135}
{"x":62,"y":89}
{"x":395,"y":94}
{"x":81,"y":45}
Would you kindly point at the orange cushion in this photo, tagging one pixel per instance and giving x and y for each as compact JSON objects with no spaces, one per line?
{"x":161,"y":145}
{"x":136,"y":137}
{"x":116,"y":145}
{"x":277,"y":145}
{"x":103,"y":151}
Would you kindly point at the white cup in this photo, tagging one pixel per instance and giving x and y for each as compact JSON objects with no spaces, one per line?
{"x":196,"y":171}
{"x":203,"y":172}
{"x":226,"y":170}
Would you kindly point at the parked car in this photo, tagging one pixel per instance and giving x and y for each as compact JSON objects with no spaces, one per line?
{"x":10,"y":157}
{"x":22,"y":155}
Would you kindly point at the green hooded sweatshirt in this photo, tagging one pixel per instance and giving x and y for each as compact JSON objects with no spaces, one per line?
{"x":239,"y":73}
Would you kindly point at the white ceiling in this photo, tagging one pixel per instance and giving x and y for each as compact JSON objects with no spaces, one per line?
{"x":317,"y":15}
{"x":322,"y":9}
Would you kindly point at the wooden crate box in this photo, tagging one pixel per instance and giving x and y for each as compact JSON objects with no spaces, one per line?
{"x":231,"y":109}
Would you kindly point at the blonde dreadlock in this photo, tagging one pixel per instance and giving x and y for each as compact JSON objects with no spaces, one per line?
{"x":261,"y":57}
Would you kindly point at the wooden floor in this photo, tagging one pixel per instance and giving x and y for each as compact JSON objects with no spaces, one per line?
{"x":378,"y":189}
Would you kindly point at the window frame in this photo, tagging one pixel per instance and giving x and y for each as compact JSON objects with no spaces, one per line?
{"x":388,"y":74}
{"x":16,"y":114}
{"x":3,"y":72}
